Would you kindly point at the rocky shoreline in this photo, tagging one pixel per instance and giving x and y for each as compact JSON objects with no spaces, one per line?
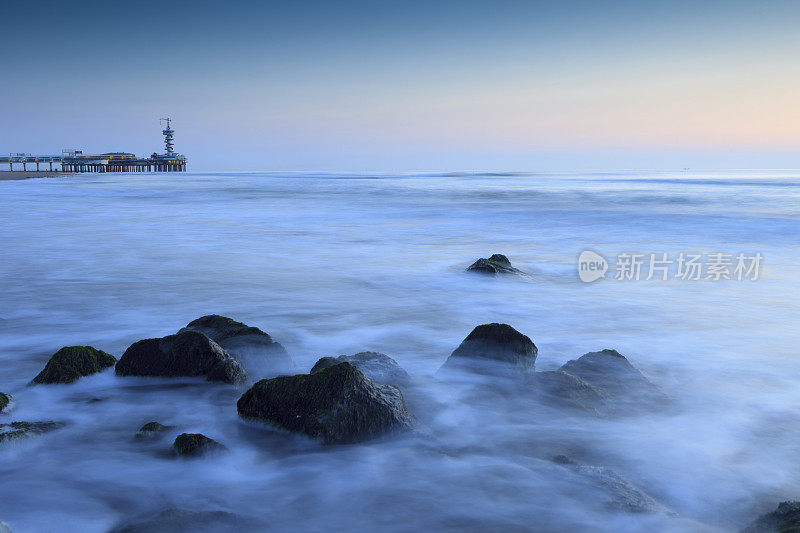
{"x":351,"y":399}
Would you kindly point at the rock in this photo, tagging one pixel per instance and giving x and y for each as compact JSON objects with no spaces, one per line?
{"x":376,"y":366}
{"x":494,"y":347}
{"x":559,"y":389}
{"x":73,"y":362}
{"x":151,"y":429}
{"x":171,"y":520}
{"x":246,"y":343}
{"x":187,"y":353}
{"x":622,"y":494}
{"x":337,"y":404}
{"x":16,"y":430}
{"x":612,"y":374}
{"x":497,"y":264}
{"x":6,"y":400}
{"x":195,"y":445}
{"x":784,"y":519}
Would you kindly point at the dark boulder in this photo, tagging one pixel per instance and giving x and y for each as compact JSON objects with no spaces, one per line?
{"x":171,"y":520}
{"x":151,"y":429}
{"x":496,"y":264}
{"x":73,"y":362}
{"x":376,"y":366}
{"x":613,"y":375}
{"x":5,"y":401}
{"x":16,"y":430}
{"x":784,"y":519}
{"x":195,"y":445}
{"x":562,"y":390}
{"x":188,"y":353}
{"x":492,"y":348}
{"x":248,"y":344}
{"x":337,"y":404}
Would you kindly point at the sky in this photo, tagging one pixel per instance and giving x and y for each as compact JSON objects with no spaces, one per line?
{"x":408,"y":86}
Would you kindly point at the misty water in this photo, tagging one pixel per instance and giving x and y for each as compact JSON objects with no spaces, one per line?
{"x":334,"y":264}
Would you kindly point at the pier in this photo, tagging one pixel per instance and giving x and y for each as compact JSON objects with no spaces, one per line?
{"x":75,"y":161}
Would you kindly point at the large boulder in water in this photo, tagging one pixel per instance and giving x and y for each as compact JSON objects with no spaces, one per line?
{"x":187,"y":353}
{"x":784,"y":519}
{"x":250,"y":345}
{"x":337,"y":404}
{"x":493,"y":348}
{"x":496,"y":264}
{"x":612,"y":374}
{"x":195,"y":445}
{"x":562,"y":390}
{"x":376,"y":366}
{"x":73,"y":362}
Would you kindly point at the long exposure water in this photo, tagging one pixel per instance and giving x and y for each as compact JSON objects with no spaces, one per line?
{"x":339,"y":263}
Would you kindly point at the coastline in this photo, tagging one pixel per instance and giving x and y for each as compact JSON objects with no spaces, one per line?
{"x":7,"y":175}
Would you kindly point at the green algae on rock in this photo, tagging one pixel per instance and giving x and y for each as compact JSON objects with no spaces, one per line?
{"x":71,"y":363}
{"x":338,"y":405}
{"x":16,"y":430}
{"x":5,"y":401}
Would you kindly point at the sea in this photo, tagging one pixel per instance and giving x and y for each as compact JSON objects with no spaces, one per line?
{"x":339,"y":263}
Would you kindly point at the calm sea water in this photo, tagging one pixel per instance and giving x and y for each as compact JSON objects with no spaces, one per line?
{"x":338,"y":263}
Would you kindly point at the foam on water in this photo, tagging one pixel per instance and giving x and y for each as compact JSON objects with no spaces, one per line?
{"x":341,"y":263}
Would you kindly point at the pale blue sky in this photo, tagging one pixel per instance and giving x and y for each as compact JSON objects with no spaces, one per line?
{"x":410,"y":85}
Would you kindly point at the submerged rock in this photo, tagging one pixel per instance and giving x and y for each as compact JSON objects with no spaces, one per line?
{"x":496,"y":264}
{"x":613,"y":375}
{"x":187,"y":353}
{"x":494,"y":347}
{"x":195,"y":445}
{"x":559,"y":389}
{"x":376,"y":366}
{"x":6,"y":400}
{"x":171,"y":520}
{"x":622,"y":494}
{"x":784,"y":519}
{"x":150,"y":430}
{"x":244,"y":342}
{"x":73,"y":362}
{"x":16,"y":430}
{"x":337,"y":404}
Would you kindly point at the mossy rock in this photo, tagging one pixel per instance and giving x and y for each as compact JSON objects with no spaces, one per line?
{"x":494,"y":348}
{"x":195,"y":445}
{"x":72,"y":363}
{"x":378,"y":367}
{"x":5,"y":401}
{"x":185,"y":354}
{"x":247,"y":344}
{"x":338,"y":405}
{"x":151,"y":429}
{"x":16,"y":430}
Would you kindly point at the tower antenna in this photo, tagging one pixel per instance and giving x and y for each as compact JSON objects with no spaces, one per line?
{"x":168,"y":135}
